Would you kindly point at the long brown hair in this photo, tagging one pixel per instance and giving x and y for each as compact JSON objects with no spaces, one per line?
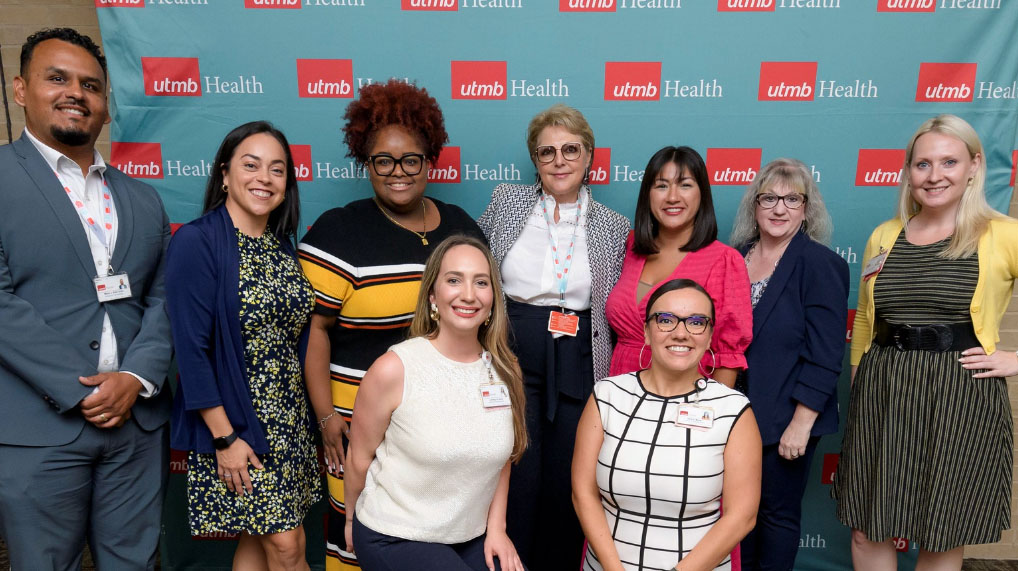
{"x":494,"y":336}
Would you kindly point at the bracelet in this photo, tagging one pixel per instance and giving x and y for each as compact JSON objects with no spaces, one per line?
{"x":325,"y":419}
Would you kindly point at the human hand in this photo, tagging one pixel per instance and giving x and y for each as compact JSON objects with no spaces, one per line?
{"x":498,"y":544}
{"x":110,"y":406}
{"x":794,"y":439}
{"x":348,"y":532}
{"x":998,"y":364}
{"x":333,"y":431}
{"x":232,"y":464}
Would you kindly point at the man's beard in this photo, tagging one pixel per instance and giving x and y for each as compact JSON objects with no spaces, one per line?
{"x":70,"y":137}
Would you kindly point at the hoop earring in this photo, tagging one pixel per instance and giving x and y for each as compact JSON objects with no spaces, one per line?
{"x":226,"y":189}
{"x":640,"y":360}
{"x":713,"y":367}
{"x":434,"y":312}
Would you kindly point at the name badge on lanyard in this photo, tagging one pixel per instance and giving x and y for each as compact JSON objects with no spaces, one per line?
{"x":562,"y":322}
{"x":494,"y":394}
{"x":693,"y":415}
{"x":875,"y":264}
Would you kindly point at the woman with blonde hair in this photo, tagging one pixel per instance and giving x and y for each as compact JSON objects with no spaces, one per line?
{"x":799,"y":293}
{"x":928,"y":441}
{"x":439,"y":421}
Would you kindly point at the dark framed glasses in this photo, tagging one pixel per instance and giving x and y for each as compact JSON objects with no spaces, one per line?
{"x":667,"y":322}
{"x":384,"y":164}
{"x":769,"y":200}
{"x":570,"y":152}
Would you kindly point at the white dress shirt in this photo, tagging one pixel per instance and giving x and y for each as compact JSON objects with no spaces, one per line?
{"x":527,"y":282}
{"x":88,"y":190}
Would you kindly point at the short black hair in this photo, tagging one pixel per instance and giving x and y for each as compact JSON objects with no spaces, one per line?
{"x":284,"y":220}
{"x":705,"y":224}
{"x":68,"y":35}
{"x":676,"y":284}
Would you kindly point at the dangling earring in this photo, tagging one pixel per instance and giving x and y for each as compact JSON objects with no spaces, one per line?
{"x":434,"y":311}
{"x":640,"y":360}
{"x":226,"y":189}
{"x":586,"y":176}
{"x":713,"y":367}
{"x":487,"y":320}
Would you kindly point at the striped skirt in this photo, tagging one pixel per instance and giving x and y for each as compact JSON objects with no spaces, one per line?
{"x":927,"y":451}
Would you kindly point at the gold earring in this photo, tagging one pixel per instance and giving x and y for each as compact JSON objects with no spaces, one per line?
{"x":434,"y":311}
{"x":488,"y":319}
{"x":225,"y":188}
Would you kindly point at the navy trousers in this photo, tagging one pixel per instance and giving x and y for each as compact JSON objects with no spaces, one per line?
{"x":380,"y":552}
{"x":774,"y":542}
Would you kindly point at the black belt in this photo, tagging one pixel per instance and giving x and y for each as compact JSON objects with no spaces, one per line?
{"x":939,"y":337}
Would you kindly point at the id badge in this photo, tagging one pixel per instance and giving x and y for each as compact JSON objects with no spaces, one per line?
{"x":495,"y":396}
{"x":875,"y":264}
{"x":694,"y":416}
{"x":112,"y":287}
{"x":563,"y":323}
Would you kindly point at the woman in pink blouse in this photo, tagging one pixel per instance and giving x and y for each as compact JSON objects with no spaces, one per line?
{"x":675,"y":236}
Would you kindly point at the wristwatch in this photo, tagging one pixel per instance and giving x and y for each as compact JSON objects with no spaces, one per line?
{"x":224,"y":442}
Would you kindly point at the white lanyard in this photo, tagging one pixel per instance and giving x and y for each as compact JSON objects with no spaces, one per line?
{"x":103,"y":231}
{"x":562,"y":264}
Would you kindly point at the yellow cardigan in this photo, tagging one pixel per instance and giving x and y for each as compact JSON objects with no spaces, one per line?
{"x":998,"y":268}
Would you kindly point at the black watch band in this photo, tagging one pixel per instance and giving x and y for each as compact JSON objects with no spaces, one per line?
{"x":224,"y":442}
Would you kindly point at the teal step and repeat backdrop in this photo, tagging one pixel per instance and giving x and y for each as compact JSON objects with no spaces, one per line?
{"x":839,"y":84}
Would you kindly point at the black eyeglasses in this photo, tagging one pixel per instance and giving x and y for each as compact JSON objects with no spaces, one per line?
{"x":384,"y":165}
{"x":667,"y":322}
{"x":768,"y":200}
{"x":570,"y":152}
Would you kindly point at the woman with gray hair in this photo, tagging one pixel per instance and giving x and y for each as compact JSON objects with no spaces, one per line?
{"x":559,"y":252}
{"x":799,"y":294}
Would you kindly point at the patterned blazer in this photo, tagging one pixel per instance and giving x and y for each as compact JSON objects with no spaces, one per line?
{"x":606,"y":231}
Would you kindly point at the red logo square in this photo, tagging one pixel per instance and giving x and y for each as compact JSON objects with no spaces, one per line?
{"x":787,"y":81}
{"x":829,"y":468}
{"x":587,"y":5}
{"x":137,"y":160}
{"x":1014,"y":166}
{"x":432,"y":5}
{"x":879,"y":167}
{"x":946,"y":82}
{"x":278,"y":4}
{"x":178,"y":461}
{"x":906,"y":6}
{"x":171,"y":76}
{"x":447,"y":168}
{"x":851,"y":325}
{"x":746,"y":5}
{"x":733,"y":166}
{"x":479,"y":79}
{"x":601,"y":165}
{"x":302,"y":161}
{"x":632,"y":81}
{"x":325,"y":78}
{"x":119,"y":3}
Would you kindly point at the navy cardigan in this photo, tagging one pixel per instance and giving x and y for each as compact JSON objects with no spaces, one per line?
{"x":202,"y":298}
{"x":798,"y":346}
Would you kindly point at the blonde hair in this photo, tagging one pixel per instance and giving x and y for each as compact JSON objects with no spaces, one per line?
{"x":973,"y":211}
{"x":793,"y":173}
{"x":494,"y":336}
{"x":559,"y":115}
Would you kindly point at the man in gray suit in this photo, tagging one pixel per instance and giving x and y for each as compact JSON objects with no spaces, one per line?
{"x":83,"y":361}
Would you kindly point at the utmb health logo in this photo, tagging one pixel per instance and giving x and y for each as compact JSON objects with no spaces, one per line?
{"x":632,"y":81}
{"x":137,"y":160}
{"x":171,"y":76}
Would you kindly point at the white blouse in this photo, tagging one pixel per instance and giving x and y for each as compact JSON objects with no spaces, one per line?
{"x":528,"y":270}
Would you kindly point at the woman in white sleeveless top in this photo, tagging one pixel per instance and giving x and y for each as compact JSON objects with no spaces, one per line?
{"x":438,"y":420}
{"x":658,"y":450}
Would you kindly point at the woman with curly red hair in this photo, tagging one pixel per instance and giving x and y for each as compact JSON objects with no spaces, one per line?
{"x":365,"y":262}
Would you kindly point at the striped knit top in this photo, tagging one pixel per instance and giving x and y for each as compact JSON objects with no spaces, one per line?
{"x":366,"y":272}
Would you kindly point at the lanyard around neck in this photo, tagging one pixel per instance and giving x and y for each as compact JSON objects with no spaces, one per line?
{"x":562,"y":263}
{"x":103,"y":230}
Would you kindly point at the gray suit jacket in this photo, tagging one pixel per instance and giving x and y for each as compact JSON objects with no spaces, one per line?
{"x":50,"y":319}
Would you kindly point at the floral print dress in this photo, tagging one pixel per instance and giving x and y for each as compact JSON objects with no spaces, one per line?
{"x":276,"y":301}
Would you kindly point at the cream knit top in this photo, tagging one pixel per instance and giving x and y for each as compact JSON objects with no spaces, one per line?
{"x":435,"y":472}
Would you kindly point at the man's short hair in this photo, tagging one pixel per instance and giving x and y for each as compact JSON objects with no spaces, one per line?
{"x":68,"y":35}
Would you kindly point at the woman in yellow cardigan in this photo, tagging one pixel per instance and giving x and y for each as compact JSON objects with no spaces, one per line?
{"x":927,"y":449}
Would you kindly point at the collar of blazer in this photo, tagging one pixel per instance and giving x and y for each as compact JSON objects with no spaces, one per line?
{"x":779,"y":279}
{"x":49,"y":187}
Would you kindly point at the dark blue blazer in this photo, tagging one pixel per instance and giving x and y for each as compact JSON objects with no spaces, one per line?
{"x":203,"y":300}
{"x":799,"y":339}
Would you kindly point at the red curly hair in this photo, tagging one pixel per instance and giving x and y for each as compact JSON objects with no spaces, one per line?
{"x":394,"y":103}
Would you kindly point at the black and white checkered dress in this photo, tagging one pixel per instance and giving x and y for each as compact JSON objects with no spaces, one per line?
{"x":660,"y":483}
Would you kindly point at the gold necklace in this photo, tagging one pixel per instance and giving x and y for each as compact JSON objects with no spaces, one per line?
{"x":424,"y":219}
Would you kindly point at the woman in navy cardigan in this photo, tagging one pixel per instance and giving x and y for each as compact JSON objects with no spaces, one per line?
{"x":799,"y":290}
{"x":239,"y":306}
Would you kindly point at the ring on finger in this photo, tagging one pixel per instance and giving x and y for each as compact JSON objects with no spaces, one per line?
{"x":102,"y":417}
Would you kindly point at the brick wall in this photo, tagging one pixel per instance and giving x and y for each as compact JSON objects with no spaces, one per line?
{"x":19,"y":18}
